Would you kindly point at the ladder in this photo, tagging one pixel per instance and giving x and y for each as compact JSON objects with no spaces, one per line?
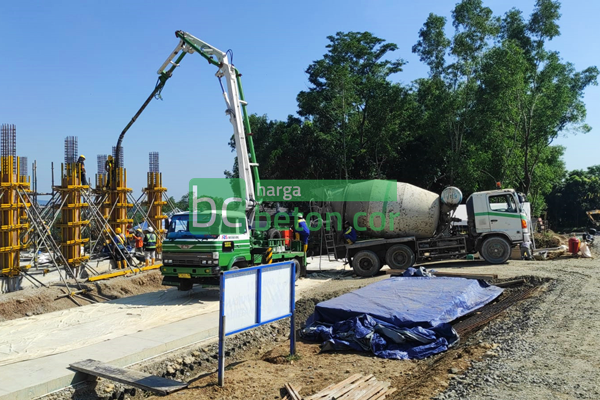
{"x":329,"y":236}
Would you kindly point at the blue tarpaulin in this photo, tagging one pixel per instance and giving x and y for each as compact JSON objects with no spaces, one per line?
{"x":398,"y":317}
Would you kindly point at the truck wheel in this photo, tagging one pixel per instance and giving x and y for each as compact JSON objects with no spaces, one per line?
{"x":185,"y":285}
{"x":366,"y":263}
{"x":273,"y":234}
{"x":495,"y":250}
{"x":399,"y":256}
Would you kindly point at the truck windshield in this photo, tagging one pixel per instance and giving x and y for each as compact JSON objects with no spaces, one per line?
{"x":503,"y":203}
{"x":179,"y":226}
{"x":179,"y":229}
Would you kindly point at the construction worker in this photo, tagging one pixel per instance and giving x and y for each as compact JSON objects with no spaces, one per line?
{"x":139,"y":241}
{"x":301,"y":230}
{"x":349,"y":233}
{"x":120,"y":250}
{"x":81,"y":164}
{"x":110,"y":172}
{"x":150,"y":246}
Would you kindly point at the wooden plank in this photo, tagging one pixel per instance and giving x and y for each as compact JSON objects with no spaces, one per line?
{"x":328,"y":389}
{"x":449,"y":274}
{"x":288,"y":397}
{"x":129,"y":377}
{"x":293,"y":392}
{"x":466,"y":275}
{"x":356,"y":393}
{"x":345,"y":389}
{"x":511,"y":283}
{"x":365,"y":391}
{"x":377,"y":390}
{"x":381,"y":396}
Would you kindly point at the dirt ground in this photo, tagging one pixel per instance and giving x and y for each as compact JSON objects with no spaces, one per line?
{"x":549,"y":335}
{"x":261,"y":372}
{"x":540,"y":348}
{"x":35,"y":301}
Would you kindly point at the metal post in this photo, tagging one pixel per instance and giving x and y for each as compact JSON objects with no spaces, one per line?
{"x":222,"y":352}
{"x":221,"y":371}
{"x":293,"y":310}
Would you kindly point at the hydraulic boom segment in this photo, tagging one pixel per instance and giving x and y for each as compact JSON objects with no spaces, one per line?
{"x":236,"y":106}
{"x":191,"y":258}
{"x":234,"y":99}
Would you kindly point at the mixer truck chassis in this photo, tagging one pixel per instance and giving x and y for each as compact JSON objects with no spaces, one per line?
{"x":369,"y":256}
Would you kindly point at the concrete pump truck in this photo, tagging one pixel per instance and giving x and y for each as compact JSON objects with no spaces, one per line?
{"x":191,"y":256}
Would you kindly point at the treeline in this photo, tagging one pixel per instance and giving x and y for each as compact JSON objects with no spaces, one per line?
{"x":493,"y":102}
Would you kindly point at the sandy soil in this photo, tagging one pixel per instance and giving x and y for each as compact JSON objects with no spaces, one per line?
{"x":36,"y":301}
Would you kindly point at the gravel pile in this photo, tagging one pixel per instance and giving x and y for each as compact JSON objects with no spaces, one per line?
{"x":546,"y":348}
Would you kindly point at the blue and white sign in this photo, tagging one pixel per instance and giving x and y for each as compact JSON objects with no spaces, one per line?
{"x":256,"y":296}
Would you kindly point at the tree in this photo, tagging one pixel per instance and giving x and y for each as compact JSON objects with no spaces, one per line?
{"x":499,"y":97}
{"x":569,"y":201}
{"x":448,"y":96}
{"x":354,"y":107}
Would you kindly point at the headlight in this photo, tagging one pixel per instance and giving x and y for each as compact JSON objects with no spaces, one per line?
{"x":203,"y":261}
{"x":168,"y":261}
{"x":215,"y":255}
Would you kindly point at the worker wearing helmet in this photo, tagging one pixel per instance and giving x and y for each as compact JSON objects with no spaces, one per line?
{"x":150,"y":246}
{"x":110,"y":172}
{"x":81,"y":165}
{"x":349,"y":233}
{"x":139,"y":242}
{"x":119,"y":241}
{"x":301,"y":230}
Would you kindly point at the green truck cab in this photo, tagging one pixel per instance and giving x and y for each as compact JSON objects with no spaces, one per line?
{"x":196,"y":258}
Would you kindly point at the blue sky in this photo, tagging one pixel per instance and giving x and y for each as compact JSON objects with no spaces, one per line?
{"x":83,"y":68}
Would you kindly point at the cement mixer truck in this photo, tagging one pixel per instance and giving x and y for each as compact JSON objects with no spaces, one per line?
{"x":417,"y":225}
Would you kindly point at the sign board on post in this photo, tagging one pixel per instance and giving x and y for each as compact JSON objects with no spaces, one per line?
{"x":255,"y":296}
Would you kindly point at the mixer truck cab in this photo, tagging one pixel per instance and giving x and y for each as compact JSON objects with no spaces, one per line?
{"x":423,"y":230}
{"x":498,"y":212}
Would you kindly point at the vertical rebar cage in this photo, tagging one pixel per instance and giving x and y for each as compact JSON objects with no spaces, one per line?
{"x":71,"y":149}
{"x":13,"y":200}
{"x":23,"y":166}
{"x":101,"y":176}
{"x":154,"y":195}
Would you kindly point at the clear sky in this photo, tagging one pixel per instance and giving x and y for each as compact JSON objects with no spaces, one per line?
{"x":83,"y":68}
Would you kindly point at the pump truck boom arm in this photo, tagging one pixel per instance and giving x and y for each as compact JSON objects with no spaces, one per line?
{"x":234,"y":100}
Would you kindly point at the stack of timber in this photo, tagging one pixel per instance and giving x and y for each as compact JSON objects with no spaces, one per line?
{"x":357,"y":387}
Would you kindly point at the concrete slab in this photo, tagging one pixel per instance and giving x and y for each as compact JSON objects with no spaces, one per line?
{"x":37,"y":376}
{"x":33,"y":378}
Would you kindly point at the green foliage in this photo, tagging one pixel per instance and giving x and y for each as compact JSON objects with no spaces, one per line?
{"x":569,"y":201}
{"x":489,"y":110}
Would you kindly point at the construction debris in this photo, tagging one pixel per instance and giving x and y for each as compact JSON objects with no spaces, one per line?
{"x":356,"y":387}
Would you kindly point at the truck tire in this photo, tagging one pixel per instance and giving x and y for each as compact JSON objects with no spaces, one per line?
{"x":400,"y":256}
{"x":273,"y":234}
{"x":298,"y":268}
{"x":366,"y":263}
{"x":185,"y":285}
{"x":495,"y":250}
